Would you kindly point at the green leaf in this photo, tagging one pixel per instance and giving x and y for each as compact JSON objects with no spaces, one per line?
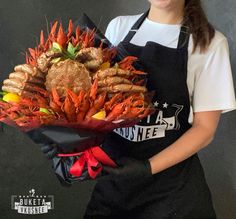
{"x":3,"y":93}
{"x":67,"y":55}
{"x":71,"y":49}
{"x":44,"y":110}
{"x":56,"y":47}
{"x":56,"y":60}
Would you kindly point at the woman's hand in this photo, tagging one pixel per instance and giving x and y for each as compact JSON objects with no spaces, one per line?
{"x":197,"y":137}
{"x":127,"y":168}
{"x":49,"y":150}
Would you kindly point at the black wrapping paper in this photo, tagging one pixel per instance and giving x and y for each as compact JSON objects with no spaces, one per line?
{"x":85,"y":22}
{"x":66,"y":139}
{"x":61,"y":167}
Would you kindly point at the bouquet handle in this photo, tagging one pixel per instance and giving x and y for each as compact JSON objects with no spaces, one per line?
{"x":91,"y":158}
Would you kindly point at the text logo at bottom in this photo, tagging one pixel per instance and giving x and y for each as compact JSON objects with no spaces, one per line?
{"x":32,"y":203}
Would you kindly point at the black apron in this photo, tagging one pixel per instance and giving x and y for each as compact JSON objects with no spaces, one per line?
{"x":180,"y":191}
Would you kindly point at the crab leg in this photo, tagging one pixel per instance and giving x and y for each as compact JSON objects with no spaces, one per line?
{"x":113,"y":80}
{"x":123,"y":88}
{"x":30,"y":70}
{"x":25,"y":77}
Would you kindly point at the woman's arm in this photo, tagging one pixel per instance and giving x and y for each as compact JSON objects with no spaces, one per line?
{"x":197,"y":137}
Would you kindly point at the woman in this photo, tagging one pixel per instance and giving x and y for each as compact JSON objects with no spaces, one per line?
{"x":188,"y":66}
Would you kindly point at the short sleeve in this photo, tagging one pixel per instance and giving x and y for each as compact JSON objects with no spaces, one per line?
{"x":213,"y":87}
{"x":119,"y":27}
{"x":110,"y":31}
{"x":113,"y":33}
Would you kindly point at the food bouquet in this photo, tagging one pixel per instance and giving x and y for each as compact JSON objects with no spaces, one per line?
{"x":72,"y":90}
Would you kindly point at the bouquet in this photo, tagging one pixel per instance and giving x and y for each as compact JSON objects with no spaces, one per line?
{"x":71,"y":91}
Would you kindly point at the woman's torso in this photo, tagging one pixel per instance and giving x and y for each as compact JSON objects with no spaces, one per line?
{"x":167,"y":75}
{"x":167,"y":35}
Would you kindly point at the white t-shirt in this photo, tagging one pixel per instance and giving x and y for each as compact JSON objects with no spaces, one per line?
{"x":209,"y":77}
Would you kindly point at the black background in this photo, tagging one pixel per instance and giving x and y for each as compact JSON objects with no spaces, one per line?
{"x":22,"y":165}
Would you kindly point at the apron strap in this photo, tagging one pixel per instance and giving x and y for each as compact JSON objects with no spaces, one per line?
{"x":135,"y":27}
{"x":183,"y":37}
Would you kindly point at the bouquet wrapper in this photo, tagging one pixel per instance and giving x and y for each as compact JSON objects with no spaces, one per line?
{"x":80,"y":154}
{"x":66,"y":139}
